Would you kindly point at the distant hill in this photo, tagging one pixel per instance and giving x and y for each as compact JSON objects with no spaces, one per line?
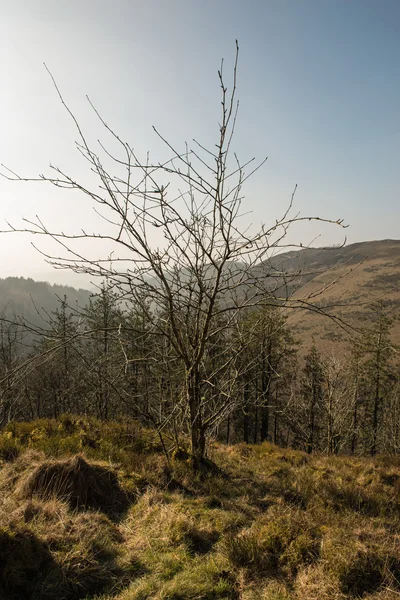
{"x":33,"y":300}
{"x":344,"y":281}
{"x":360,"y":274}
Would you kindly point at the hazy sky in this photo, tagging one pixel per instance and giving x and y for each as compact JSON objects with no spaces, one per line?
{"x":319,"y":90}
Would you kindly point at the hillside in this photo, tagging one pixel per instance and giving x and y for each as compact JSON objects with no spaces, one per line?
{"x":345,"y":282}
{"x":92,"y":510}
{"x":35,"y":300}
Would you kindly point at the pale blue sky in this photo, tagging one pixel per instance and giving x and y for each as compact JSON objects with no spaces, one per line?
{"x":319,"y":90}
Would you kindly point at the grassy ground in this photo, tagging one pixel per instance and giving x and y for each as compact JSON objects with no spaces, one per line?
{"x":117,"y":522}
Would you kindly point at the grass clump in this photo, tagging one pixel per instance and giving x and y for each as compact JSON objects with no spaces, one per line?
{"x":119,"y":442}
{"x":197,"y":540}
{"x":48,"y":552}
{"x":278,"y":543}
{"x":77,"y":482}
{"x":315,"y":583}
{"x":92,"y":562}
{"x":205,"y":579}
{"x":360,"y":564}
{"x":272,"y":590}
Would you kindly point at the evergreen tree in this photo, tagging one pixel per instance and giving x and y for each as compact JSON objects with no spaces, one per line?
{"x":312,"y":393}
{"x":104,"y":357}
{"x":377,"y":352}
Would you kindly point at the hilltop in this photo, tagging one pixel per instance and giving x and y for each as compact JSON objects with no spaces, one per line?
{"x":90,"y":509}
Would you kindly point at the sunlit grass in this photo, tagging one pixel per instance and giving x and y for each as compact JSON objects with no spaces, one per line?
{"x":264,"y":524}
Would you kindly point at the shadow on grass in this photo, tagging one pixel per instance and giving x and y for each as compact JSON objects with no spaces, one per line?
{"x":29,"y":571}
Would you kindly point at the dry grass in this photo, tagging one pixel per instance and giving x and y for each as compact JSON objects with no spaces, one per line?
{"x":80,"y":484}
{"x":267,"y":524}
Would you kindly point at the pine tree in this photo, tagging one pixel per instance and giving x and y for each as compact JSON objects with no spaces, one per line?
{"x":103,"y":353}
{"x":312,"y":392}
{"x":377,"y":352}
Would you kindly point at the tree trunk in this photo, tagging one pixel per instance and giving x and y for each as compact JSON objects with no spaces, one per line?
{"x":310,"y":442}
{"x":355,"y":419}
{"x":264,"y":423}
{"x":377,"y":397}
{"x":255,"y":425}
{"x":228,"y":431}
{"x":246,"y":416}
{"x":330,"y":422}
{"x":266,"y":380}
{"x":376,"y":401}
{"x":198,"y":440}
{"x":276,"y":418}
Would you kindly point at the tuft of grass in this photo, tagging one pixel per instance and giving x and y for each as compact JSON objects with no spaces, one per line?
{"x":122,"y":443}
{"x":57,"y":554}
{"x":272,"y":590}
{"x":77,"y":482}
{"x":315,"y":583}
{"x":276,"y":543}
{"x":360,"y":564}
{"x":205,"y":578}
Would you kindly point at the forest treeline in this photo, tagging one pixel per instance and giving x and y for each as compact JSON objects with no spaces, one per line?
{"x":35,"y":300}
{"x":256,"y":384}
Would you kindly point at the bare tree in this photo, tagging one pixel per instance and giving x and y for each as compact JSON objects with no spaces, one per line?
{"x":11,"y":340}
{"x":339,"y":404}
{"x":391,"y":421}
{"x":208,"y":265}
{"x":376,"y":353}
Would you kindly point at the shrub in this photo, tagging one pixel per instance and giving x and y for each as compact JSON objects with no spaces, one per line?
{"x":9,"y":448}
